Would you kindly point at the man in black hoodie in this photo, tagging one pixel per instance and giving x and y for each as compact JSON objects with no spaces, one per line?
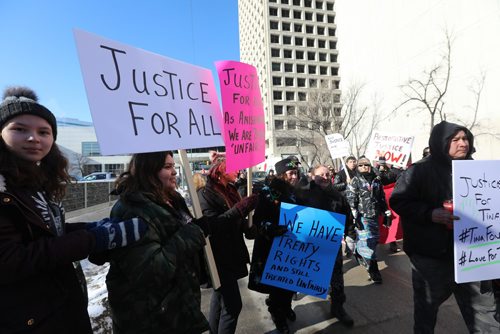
{"x":428,"y":229}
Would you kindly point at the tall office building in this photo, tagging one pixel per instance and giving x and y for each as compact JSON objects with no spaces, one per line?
{"x":292,"y":44}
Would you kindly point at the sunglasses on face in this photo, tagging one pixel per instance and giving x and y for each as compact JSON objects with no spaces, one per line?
{"x":364,"y":165}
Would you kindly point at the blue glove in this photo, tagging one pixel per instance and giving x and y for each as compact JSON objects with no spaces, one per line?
{"x":89,"y":226}
{"x":111,"y":234}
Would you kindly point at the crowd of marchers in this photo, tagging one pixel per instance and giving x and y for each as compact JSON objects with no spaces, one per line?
{"x":154,"y":244}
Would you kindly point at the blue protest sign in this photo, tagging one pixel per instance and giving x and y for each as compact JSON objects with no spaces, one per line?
{"x":302,"y":259}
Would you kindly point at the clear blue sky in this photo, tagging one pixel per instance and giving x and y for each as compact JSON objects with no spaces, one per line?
{"x":38,"y":49}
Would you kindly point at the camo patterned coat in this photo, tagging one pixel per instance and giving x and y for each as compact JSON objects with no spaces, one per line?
{"x":153,"y":285}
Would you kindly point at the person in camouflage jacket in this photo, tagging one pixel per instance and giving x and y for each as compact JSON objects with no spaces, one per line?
{"x":153,"y":286}
{"x":366,"y":197}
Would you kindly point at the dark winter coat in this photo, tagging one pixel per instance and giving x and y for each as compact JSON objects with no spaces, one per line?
{"x":153,"y":285}
{"x":39,"y":290}
{"x":340,"y":180}
{"x":227,"y":229}
{"x":366,"y":197}
{"x":267,"y":212}
{"x":423,"y":188}
{"x":328,"y":199}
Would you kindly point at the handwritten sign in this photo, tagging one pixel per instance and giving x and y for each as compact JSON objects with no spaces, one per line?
{"x":144,"y":102}
{"x":303,"y":259}
{"x":476,"y":198}
{"x":337,"y":145}
{"x":394,"y":147}
{"x":244,"y":127}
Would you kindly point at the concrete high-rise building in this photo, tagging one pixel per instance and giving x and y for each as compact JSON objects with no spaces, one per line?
{"x":293,"y":45}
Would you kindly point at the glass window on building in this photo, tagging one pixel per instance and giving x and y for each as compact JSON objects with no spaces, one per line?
{"x":302,"y":96}
{"x":285,"y":12}
{"x":284,"y":2}
{"x":273,"y":11}
{"x":287,"y":40}
{"x":290,"y":110}
{"x":322,"y":56}
{"x":329,"y":6}
{"x":312,"y":69}
{"x":301,"y":82}
{"x":321,"y":30}
{"x":277,"y":95}
{"x":275,"y":52}
{"x":276,"y":66}
{"x":308,"y":3}
{"x":288,"y":82}
{"x":333,"y":45}
{"x":291,"y":125}
{"x":300,"y":68}
{"x":286,"y":141}
{"x":299,"y":41}
{"x":114,"y":168}
{"x":288,"y":67}
{"x":279,"y":124}
{"x":335,"y":71}
{"x":331,"y":18}
{"x":336,"y":98}
{"x":91,"y":149}
{"x":310,"y":42}
{"x":333,"y":58}
{"x":311,"y":55}
{"x":274,"y":25}
{"x":297,"y":14}
{"x":319,"y":4}
{"x":296,"y":2}
{"x":321,"y":43}
{"x":309,"y":16}
{"x":323,"y":70}
{"x":337,"y":111}
{"x":331,"y":32}
{"x":313,"y":83}
{"x":319,"y":18}
{"x":275,"y":38}
{"x":287,"y":54}
{"x":278,"y":110}
{"x":276,"y":81}
{"x":285,"y":26}
{"x":336,"y":84}
{"x":290,"y":96}
{"x":297,"y":27}
{"x":309,"y":29}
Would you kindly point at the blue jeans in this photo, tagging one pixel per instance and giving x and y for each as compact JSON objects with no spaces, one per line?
{"x":434,"y":283}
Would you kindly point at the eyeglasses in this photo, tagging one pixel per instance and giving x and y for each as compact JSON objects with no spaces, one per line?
{"x":364,"y":165}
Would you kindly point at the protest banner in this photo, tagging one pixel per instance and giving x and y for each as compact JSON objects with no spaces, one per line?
{"x":394,"y":147}
{"x":339,"y":148}
{"x":303,"y":258}
{"x":476,"y":200}
{"x":144,"y":102}
{"x":243,"y":115}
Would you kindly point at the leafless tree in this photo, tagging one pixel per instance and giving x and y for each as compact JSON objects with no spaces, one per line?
{"x":79,"y":162}
{"x":428,"y":93}
{"x":324,"y":112}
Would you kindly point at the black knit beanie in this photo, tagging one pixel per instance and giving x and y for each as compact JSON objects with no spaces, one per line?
{"x":23,"y":101}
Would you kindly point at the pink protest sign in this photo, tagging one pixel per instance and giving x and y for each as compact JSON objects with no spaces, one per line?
{"x":244,"y":129}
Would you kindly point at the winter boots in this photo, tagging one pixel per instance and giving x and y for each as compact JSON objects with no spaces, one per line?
{"x":338,"y":311}
{"x":374,"y":273}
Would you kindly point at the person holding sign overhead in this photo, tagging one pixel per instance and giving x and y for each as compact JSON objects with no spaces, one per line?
{"x":266,"y":218}
{"x":225,"y":213}
{"x":154,"y":285}
{"x":367,"y":200}
{"x":418,"y":198}
{"x":39,"y":288}
{"x":320,"y":194}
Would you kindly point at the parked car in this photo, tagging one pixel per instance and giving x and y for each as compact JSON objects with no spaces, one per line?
{"x":259,"y":176}
{"x":99,"y":176}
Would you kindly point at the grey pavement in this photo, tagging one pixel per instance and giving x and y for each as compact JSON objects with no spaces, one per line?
{"x":385,"y":308}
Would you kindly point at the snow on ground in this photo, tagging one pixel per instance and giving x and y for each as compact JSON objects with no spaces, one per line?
{"x":98,"y":297}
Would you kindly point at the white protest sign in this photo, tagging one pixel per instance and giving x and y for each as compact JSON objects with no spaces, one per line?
{"x":337,"y":145}
{"x":144,"y":102}
{"x":476,"y":199}
{"x":396,"y":148}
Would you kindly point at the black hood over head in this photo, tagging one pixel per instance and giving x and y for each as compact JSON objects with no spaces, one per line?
{"x":439,"y":141}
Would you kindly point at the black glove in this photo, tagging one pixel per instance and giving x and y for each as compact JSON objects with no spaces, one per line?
{"x":203,"y":223}
{"x":272,"y":230}
{"x":247,"y":204}
{"x":111,"y":234}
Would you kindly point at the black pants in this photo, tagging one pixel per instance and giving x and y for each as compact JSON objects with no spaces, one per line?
{"x":280,"y":301}
{"x":434,"y":283}
{"x":225,"y":307}
{"x":337,"y":281}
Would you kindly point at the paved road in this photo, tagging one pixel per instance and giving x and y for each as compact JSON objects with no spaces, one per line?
{"x":385,"y":308}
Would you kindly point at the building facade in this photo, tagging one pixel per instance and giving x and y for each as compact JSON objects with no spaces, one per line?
{"x":293,"y":45}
